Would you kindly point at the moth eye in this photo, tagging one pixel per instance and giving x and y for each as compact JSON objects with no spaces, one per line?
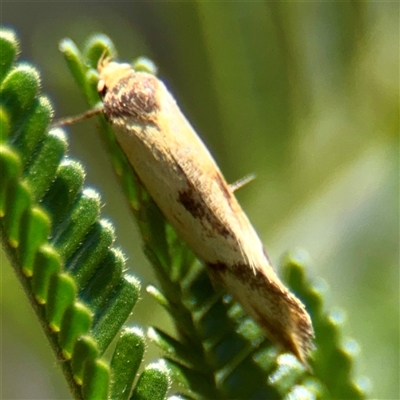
{"x":101,"y":88}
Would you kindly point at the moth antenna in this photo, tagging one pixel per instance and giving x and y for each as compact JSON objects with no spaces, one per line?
{"x":103,"y":60}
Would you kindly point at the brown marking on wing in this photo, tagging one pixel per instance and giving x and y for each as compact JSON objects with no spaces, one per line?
{"x":282,"y":317}
{"x":218,"y":267}
{"x":195,"y":205}
{"x":188,"y":199}
{"x":133,"y":96}
{"x":267,"y":287}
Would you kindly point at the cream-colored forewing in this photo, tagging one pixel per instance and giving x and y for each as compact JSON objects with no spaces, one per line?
{"x":187,"y":185}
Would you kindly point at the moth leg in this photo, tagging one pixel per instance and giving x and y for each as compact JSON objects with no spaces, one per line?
{"x":61,"y":122}
{"x":241,"y":182}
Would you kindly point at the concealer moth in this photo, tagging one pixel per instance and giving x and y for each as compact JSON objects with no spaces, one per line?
{"x":185,"y":182}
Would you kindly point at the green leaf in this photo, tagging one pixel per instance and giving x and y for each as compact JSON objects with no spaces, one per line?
{"x":174,"y":349}
{"x":76,"y":224}
{"x":331,"y":354}
{"x":10,"y":166}
{"x":33,"y":132}
{"x":71,"y":55}
{"x":51,"y":229}
{"x":153,"y":383}
{"x":116,"y":311}
{"x":18,"y":93}
{"x":64,"y":189}
{"x":127,"y":357}
{"x":85,"y":349}
{"x":9,"y":50}
{"x":76,"y":322}
{"x":91,"y":252}
{"x":62,"y":293}
{"x":96,"y":379}
{"x":35,"y":234}
{"x":47,"y":263}
{"x":104,"y":283}
{"x":97,"y":46}
{"x":17,"y":202}
{"x":4,"y":125}
{"x":42,"y":170}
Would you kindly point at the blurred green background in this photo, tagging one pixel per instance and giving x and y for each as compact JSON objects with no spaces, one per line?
{"x":304,"y":95}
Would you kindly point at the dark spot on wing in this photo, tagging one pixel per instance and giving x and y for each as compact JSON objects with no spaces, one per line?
{"x":256,"y":281}
{"x":194,"y":203}
{"x":218,"y":267}
{"x":133,"y":96}
{"x":188,"y":199}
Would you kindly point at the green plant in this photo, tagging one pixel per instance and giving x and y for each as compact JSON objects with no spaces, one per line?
{"x":62,"y":253}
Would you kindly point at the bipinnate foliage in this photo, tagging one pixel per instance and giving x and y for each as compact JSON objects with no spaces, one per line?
{"x":62,"y":252}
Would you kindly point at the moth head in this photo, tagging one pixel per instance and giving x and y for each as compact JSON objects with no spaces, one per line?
{"x":110,"y":73}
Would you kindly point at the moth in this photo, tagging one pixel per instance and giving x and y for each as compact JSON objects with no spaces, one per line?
{"x":185,"y":182}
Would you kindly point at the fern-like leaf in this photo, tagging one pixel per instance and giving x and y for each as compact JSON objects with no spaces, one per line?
{"x":61,"y":249}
